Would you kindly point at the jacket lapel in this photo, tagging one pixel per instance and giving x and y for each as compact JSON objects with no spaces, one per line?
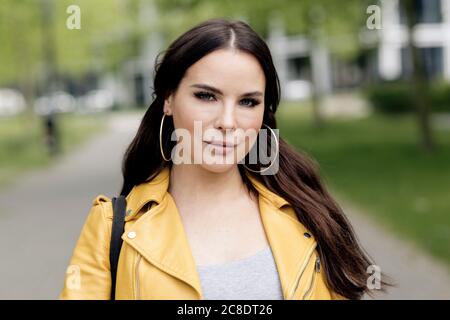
{"x":159,"y":235}
{"x":291,"y":249}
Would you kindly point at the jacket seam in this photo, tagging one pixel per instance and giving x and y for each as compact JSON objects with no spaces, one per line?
{"x":162,"y":266}
{"x":312,"y":287}
{"x":145,"y":200}
{"x":108,"y":232}
{"x":297,"y":269}
{"x":296,"y":221}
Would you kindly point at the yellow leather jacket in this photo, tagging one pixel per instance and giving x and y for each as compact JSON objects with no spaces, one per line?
{"x":156,"y":262}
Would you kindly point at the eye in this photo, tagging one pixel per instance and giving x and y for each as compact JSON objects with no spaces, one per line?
{"x":249,"y":102}
{"x":202,"y":95}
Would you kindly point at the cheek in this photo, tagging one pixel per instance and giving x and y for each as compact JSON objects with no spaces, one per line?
{"x":254,"y":123}
{"x":251,"y":119}
{"x":187,"y":110}
{"x":190,"y":120}
{"x":184,"y":115}
{"x":250,"y":124}
{"x":183,"y":120}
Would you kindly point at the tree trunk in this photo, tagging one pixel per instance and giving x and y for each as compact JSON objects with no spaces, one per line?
{"x":419,"y":82}
{"x":316,"y":102}
{"x":315,"y":80}
{"x":49,"y":48}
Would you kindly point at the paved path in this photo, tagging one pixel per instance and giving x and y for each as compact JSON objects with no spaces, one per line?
{"x":42,"y":214}
{"x":417,"y":274}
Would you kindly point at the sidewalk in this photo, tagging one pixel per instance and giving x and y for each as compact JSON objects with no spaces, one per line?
{"x":417,"y":274}
{"x":42,"y":214}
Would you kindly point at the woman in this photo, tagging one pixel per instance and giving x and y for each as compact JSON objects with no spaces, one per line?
{"x":209,"y":228}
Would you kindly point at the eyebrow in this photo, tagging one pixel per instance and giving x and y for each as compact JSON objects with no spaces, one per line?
{"x":215,"y":90}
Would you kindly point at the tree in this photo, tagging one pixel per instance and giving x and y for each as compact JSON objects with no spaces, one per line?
{"x":102,"y":43}
{"x":20,"y":50}
{"x":418,"y":82}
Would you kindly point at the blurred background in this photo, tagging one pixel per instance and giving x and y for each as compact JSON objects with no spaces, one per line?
{"x":365,"y":91}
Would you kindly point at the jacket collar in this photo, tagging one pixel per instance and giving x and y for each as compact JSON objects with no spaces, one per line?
{"x":155,"y":190}
{"x":161,"y":238}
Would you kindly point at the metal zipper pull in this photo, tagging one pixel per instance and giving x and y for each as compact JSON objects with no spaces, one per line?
{"x":316,"y":270}
{"x":317,"y":266}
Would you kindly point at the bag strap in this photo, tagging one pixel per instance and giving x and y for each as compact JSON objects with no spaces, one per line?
{"x":119,"y":205}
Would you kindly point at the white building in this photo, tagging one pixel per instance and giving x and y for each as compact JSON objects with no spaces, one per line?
{"x":431,"y":35}
{"x":385,"y":57}
{"x":298,"y":62}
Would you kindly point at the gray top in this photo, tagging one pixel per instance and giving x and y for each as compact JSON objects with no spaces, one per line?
{"x":251,"y":278}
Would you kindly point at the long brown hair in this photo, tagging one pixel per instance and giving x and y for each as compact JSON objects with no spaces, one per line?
{"x":297,"y":180}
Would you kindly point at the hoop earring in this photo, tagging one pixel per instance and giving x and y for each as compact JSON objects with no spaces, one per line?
{"x":160,"y":139}
{"x":276,"y":155}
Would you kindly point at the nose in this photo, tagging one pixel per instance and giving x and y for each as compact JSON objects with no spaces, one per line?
{"x":226,"y":118}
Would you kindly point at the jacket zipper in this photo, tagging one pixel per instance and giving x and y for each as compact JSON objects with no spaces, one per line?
{"x":316,"y":270}
{"x":299,"y":276}
{"x":136,"y":279}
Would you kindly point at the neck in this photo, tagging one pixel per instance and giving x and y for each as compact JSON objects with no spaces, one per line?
{"x":193,"y":184}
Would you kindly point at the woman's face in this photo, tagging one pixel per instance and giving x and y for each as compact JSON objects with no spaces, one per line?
{"x":220,"y":100}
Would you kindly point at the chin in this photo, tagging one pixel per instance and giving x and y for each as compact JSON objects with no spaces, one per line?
{"x":218,"y":167}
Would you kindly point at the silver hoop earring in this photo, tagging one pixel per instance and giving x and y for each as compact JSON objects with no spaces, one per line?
{"x":276,"y":155}
{"x":160,"y":139}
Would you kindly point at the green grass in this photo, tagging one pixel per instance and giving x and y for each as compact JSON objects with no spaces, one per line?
{"x":376,"y":164}
{"x":22,"y":144}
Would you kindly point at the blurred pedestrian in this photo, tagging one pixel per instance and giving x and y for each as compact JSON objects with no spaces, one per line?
{"x":51,"y":133}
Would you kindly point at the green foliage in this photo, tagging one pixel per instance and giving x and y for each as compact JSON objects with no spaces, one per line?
{"x":440,"y":96}
{"x":398,"y":97}
{"x":110,"y":32}
{"x":19,"y":36}
{"x":375,"y":164}
{"x":330,"y":21}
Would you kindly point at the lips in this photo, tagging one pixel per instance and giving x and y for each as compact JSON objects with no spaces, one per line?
{"x":223,"y":144}
{"x":221,"y":147}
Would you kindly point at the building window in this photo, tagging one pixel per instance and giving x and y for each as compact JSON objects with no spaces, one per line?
{"x":428,"y":11}
{"x":432,"y":59}
{"x":299,"y":68}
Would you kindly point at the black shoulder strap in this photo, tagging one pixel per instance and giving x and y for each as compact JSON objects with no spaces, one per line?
{"x":118,"y":226}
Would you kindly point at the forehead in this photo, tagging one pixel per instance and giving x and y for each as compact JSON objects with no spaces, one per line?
{"x":228,"y":68}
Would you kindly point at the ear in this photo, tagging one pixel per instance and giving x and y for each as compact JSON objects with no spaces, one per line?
{"x":168,"y":108}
